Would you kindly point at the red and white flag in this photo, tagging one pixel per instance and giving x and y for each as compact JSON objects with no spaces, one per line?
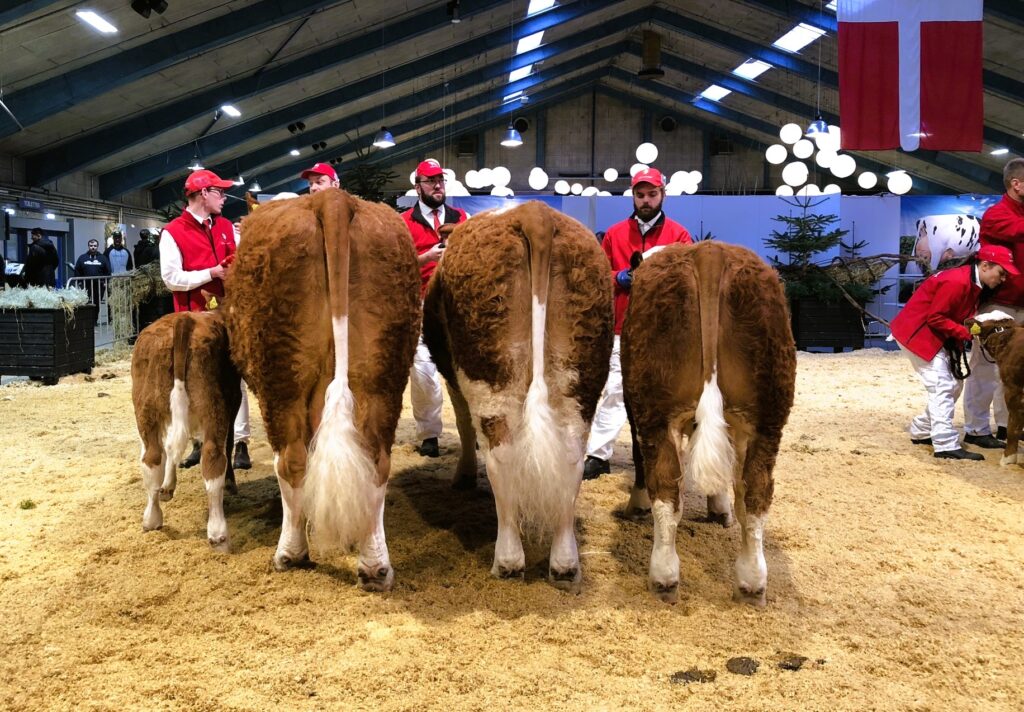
{"x":910,"y":74}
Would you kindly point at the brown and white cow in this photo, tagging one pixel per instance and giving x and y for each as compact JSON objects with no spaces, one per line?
{"x":709,"y":367}
{"x":323,"y":317}
{"x":183,"y":382}
{"x":1003,"y":341}
{"x":518,"y":319}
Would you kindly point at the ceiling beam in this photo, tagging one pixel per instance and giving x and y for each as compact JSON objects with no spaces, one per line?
{"x":170,"y":162}
{"x":13,"y":10}
{"x":80,"y":152}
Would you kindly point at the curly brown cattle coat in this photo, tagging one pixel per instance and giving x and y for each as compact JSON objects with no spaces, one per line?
{"x":183,"y":382}
{"x":709,"y":368}
{"x":1004,"y":342}
{"x":511,"y":282}
{"x":312,"y":272}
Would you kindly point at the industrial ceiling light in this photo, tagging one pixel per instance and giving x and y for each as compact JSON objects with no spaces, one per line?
{"x":453,"y":12}
{"x":231,"y":111}
{"x":818,"y":126}
{"x":239,"y":180}
{"x":383,"y":139}
{"x":195,"y":165}
{"x":96,"y":22}
{"x":511,"y":138}
{"x":255,"y":187}
{"x":145,"y":7}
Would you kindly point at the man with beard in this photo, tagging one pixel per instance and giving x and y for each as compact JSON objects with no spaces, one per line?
{"x":93,"y":264}
{"x":429,"y":222}
{"x":196,"y":249}
{"x":645,"y":229}
{"x":118,"y":256}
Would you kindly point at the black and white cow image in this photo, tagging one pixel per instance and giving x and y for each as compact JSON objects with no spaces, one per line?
{"x":946,"y":237}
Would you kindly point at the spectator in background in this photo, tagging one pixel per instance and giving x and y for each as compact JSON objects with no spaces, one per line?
{"x":118,"y":257}
{"x":146,"y":250}
{"x":41,"y":261}
{"x":600,"y":236}
{"x":93,"y":264}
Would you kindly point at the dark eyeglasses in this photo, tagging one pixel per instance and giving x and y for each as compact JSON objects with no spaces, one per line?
{"x":216,"y":191}
{"x":438,"y":180}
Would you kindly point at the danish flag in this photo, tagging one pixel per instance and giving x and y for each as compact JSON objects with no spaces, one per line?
{"x":910,"y":74}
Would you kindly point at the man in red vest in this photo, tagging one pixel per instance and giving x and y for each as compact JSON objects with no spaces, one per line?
{"x":933,"y":316}
{"x":195,"y":246}
{"x":1002,"y":224}
{"x":429,"y":222}
{"x":647,"y":228}
{"x":195,"y":250}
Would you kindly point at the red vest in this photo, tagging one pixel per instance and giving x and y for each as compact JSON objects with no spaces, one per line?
{"x":201,"y":248}
{"x":623,"y":239}
{"x":1003,"y":224}
{"x":424,"y":236}
{"x":937,"y":311}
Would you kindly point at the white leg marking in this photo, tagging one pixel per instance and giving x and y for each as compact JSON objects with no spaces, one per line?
{"x":639,"y":502}
{"x":152,"y":518}
{"x":216,"y":524}
{"x":751,"y":569}
{"x":664,"y":571}
{"x":292,"y":546}
{"x":374,"y":567}
{"x":1009,"y":459}
{"x":509,"y":557}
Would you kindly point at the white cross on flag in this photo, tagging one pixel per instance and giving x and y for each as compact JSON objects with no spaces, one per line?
{"x":910,"y":74}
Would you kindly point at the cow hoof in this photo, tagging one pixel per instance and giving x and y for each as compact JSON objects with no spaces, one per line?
{"x":380,"y":580}
{"x":230,"y":486}
{"x":283,"y":562}
{"x":464,"y":483}
{"x":220,"y":544}
{"x":666,"y":592}
{"x":570,"y":580}
{"x":166,"y":495}
{"x":757,"y":598}
{"x":508,"y":572}
{"x":151,"y":527}
{"x":1009,"y":460}
{"x":639,"y":504}
{"x":724,"y":518}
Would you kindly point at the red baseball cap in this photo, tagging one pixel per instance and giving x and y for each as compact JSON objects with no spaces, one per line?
{"x":323,"y":169}
{"x":205,"y":179}
{"x":429,"y":168}
{"x":648,"y":175}
{"x":1001,"y":256}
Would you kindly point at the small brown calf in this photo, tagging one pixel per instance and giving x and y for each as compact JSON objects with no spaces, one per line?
{"x":1001,"y":339}
{"x":183,"y":382}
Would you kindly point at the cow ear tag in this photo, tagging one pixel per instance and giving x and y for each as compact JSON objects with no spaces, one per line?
{"x":975,"y":329}
{"x":211,"y":303}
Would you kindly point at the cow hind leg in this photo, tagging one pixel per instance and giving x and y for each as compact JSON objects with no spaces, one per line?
{"x":639,"y":501}
{"x":509,"y":557}
{"x":1013,"y":426}
{"x":290,"y":467}
{"x":374,"y":568}
{"x":465,"y":471}
{"x":214,"y":468}
{"x":664,"y":486}
{"x":755,"y":456}
{"x":152,"y":473}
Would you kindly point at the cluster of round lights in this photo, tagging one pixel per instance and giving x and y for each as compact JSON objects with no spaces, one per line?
{"x":841,"y":165}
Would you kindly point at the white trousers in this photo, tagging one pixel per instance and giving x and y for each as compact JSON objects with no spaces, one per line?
{"x":984,"y":389}
{"x":611,"y":411}
{"x":242,"y":419}
{"x":426,"y":394}
{"x":936,"y":422}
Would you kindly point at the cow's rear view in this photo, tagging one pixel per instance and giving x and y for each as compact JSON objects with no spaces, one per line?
{"x":709,"y":369}
{"x":518,"y":319}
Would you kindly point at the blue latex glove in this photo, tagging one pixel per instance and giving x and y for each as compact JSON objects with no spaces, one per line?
{"x":624,"y":278}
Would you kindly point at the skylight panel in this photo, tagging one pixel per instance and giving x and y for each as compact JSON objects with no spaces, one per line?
{"x":530,"y":43}
{"x":715,"y":93}
{"x":752,"y":69}
{"x":798,"y":38}
{"x":516,"y":74}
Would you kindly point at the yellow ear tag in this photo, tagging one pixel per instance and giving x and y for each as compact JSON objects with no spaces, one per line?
{"x":975,"y":329}
{"x":211,"y":303}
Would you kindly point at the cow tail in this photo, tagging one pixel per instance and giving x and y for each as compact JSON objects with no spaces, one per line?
{"x":710,"y":457}
{"x":178,"y":431}
{"x":340,"y":489}
{"x":548,"y":475}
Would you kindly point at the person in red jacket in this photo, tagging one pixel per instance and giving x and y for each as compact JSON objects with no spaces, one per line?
{"x":1002,"y":224}
{"x":429,"y":222}
{"x":195,"y":250}
{"x":321,"y":177}
{"x":197,"y":246}
{"x":641,"y":234}
{"x":933,"y":317}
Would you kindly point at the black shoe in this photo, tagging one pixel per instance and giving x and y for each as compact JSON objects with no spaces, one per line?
{"x":959,"y":454}
{"x":1001,"y":432}
{"x":241,"y":460}
{"x":429,"y":448}
{"x":921,"y":441}
{"x":594,"y":467}
{"x":193,"y":459}
{"x":985,"y":441}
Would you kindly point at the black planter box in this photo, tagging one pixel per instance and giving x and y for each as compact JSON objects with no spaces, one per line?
{"x":820,"y":324}
{"x":45,"y":343}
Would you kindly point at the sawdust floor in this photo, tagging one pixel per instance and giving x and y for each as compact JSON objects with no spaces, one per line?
{"x":899,"y":577}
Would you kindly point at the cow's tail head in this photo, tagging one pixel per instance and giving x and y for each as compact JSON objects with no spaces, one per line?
{"x":341,"y":490}
{"x":177,"y":437}
{"x":537,"y":227}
